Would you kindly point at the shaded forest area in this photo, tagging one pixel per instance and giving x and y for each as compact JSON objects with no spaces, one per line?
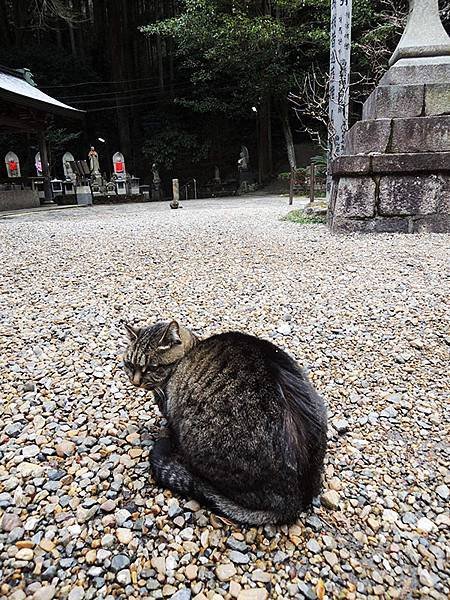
{"x":185,"y":83}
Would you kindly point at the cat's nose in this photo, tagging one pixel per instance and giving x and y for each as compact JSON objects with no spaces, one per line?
{"x":137,"y":377}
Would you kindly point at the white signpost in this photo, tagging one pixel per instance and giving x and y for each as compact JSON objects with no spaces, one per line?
{"x":340,"y":46}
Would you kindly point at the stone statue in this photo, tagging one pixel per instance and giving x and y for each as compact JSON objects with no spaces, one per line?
{"x":70,"y":174}
{"x":67,"y":166}
{"x":156,"y":177}
{"x":157,"y":193}
{"x":244,"y":159}
{"x":38,"y":164}
{"x":94,"y":165}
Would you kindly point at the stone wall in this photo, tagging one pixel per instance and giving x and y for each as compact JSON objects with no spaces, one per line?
{"x":399,"y":192}
{"x":15,"y":199}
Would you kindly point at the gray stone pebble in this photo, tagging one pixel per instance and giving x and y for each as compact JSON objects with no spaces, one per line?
{"x":238,"y":557}
{"x":182,"y":595}
{"x":80,"y":514}
{"x":119,"y":562}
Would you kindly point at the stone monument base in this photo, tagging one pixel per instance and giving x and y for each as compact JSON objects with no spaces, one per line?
{"x":407,"y":193}
{"x":395,"y":171}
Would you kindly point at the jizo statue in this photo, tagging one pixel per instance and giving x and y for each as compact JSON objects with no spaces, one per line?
{"x":244,"y":159}
{"x":119,"y":165}
{"x":67,"y":159}
{"x":12,"y":165}
{"x":94,"y":165}
{"x":38,"y":164}
{"x":156,"y":177}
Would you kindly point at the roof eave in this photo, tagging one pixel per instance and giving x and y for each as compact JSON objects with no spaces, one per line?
{"x":47,"y":107}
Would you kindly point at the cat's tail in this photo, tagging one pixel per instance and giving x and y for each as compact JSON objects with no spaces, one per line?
{"x":171,"y":473}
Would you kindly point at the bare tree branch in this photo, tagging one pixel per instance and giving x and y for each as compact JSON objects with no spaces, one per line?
{"x":47,"y":13}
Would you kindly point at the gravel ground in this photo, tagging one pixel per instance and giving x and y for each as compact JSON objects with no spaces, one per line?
{"x":80,"y":516}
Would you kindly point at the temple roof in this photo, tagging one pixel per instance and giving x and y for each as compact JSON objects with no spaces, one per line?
{"x":17,"y":86}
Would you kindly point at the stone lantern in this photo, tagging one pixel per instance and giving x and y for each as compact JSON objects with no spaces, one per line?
{"x":134,"y":186}
{"x":394,"y":174}
{"x":57,"y":187}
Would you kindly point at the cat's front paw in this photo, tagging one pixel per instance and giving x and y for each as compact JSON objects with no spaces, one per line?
{"x":162,"y":447}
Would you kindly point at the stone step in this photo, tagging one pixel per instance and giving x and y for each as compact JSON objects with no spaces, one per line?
{"x":418,"y":71}
{"x":393,"y":101}
{"x":376,"y":164}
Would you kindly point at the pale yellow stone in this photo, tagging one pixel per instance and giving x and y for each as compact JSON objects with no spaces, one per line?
{"x":226,"y":571}
{"x":24,"y":554}
{"x":191,"y":572}
{"x":253,"y":594}
{"x":90,"y":557}
{"x":159,"y":563}
{"x":124,"y":535}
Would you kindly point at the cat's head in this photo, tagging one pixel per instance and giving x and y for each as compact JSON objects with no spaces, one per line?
{"x":154,"y":351}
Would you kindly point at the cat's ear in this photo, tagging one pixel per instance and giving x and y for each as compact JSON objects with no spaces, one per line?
{"x":132,"y":332}
{"x":170,"y":337}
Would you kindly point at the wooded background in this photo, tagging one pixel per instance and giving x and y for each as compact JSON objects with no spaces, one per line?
{"x":175,"y":81}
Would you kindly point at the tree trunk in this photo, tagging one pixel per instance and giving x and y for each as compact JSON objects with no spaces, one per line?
{"x":58,"y":34}
{"x":5,"y":24}
{"x":73,"y":46}
{"x":160,"y":64}
{"x":287,"y":131}
{"x":119,"y":74}
{"x":100,"y":16}
{"x":20,"y":20}
{"x":264,"y":141}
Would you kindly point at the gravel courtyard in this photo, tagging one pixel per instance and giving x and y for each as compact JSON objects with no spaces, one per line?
{"x":80,"y":516}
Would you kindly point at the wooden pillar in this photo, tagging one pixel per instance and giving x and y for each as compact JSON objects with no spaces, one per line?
{"x":312,"y":182}
{"x":48,"y":195}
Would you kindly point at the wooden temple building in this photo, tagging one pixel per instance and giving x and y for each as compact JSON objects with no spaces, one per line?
{"x":25,"y":108}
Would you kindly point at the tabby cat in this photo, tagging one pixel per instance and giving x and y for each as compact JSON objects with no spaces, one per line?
{"x":246,"y":430}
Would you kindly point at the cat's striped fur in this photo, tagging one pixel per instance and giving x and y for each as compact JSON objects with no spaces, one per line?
{"x":246,"y":430}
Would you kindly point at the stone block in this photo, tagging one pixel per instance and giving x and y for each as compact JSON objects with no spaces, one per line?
{"x":443,"y":205}
{"x":369,"y":110}
{"x":437,"y":223}
{"x":368,"y":137}
{"x":391,"y":101}
{"x":421,"y":134}
{"x":401,"y":195}
{"x":437,"y":99}
{"x":355,"y":197}
{"x":404,"y":163}
{"x":18,"y":199}
{"x":410,"y":72}
{"x":352,"y":165}
{"x":375,"y":225}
